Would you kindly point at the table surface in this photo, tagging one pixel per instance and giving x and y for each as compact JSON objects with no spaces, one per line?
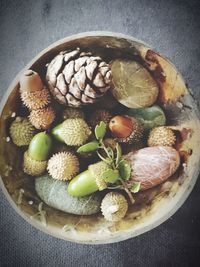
{"x":172,"y":28}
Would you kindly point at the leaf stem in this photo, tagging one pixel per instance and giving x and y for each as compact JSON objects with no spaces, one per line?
{"x":127,"y":191}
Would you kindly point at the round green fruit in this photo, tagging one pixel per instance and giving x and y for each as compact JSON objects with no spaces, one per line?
{"x":40,"y":146}
{"x":56,"y":132}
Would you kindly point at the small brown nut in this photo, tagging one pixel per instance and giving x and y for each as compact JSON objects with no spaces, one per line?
{"x":30,"y":81}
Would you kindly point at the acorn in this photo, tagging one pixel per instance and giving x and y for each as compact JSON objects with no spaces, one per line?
{"x":63,"y":166}
{"x":114,"y":206}
{"x":36,"y":99}
{"x":33,"y":167}
{"x":21,"y":131}
{"x":100,"y":115}
{"x":73,"y":132}
{"x":42,"y":118}
{"x":126,"y":129}
{"x":73,"y":113}
{"x":30,"y":81}
{"x":96,"y":170}
{"x":161,"y":136}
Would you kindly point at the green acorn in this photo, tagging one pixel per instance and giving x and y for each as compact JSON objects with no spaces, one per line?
{"x":73,"y":132}
{"x":21,"y":131}
{"x":114,"y":206}
{"x":73,"y":113}
{"x":33,"y":167}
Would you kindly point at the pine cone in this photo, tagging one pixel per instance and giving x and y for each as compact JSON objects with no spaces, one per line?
{"x":77,"y":78}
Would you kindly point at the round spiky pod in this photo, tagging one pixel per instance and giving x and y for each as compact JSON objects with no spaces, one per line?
{"x":42,"y":118}
{"x":73,"y":113}
{"x":126,"y":129}
{"x":161,"y":136}
{"x":97,"y":170}
{"x":75,"y":132}
{"x":63,"y":166}
{"x":100,"y":115}
{"x":114,"y":206}
{"x":21,"y":131}
{"x":36,"y":99}
{"x":33,"y":167}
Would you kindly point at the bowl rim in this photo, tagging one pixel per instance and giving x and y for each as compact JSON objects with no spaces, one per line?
{"x":112,"y":239}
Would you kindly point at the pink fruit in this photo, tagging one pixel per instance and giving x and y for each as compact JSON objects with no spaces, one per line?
{"x":152,"y":165}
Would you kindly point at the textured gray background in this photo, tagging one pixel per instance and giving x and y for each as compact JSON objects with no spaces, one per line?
{"x":173,"y":28}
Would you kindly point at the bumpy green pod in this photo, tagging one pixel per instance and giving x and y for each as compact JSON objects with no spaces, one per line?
{"x":150,"y":117}
{"x":54,"y":193}
{"x":40,"y":146}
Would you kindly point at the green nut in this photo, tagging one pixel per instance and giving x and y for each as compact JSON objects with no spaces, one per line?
{"x":82,"y":185}
{"x":56,"y":132}
{"x":150,"y":117}
{"x":40,"y":146}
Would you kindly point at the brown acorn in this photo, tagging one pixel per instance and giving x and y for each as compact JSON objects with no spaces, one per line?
{"x":42,"y":118}
{"x":30,"y":81}
{"x":126,"y":129}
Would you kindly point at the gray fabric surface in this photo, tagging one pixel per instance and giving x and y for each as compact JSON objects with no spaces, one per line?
{"x":172,"y":28}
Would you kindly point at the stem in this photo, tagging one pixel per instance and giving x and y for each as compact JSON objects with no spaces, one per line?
{"x":128,"y":192}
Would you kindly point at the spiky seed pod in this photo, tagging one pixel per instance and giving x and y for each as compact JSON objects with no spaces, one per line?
{"x":42,"y":118}
{"x":33,"y":167}
{"x":30,"y":81}
{"x":37,"y":99}
{"x":21,"y":131}
{"x":126,"y":129}
{"x":73,"y":113}
{"x":97,"y":170}
{"x":100,"y":115}
{"x":114,"y":206}
{"x":75,"y":132}
{"x":161,"y":136}
{"x":63,"y":166}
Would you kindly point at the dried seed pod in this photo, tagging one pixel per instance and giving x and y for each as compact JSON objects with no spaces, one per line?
{"x":126,"y":129}
{"x":73,"y":113}
{"x":21,"y":131}
{"x":114,"y":206}
{"x":161,"y":136}
{"x":100,"y":115}
{"x":63,"y":166}
{"x":33,"y":167}
{"x":36,"y":99}
{"x":30,"y":81}
{"x":42,"y":118}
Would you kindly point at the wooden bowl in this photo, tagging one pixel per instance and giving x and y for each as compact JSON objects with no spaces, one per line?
{"x":153,"y":206}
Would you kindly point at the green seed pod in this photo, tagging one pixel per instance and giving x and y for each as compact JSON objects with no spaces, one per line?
{"x":40,"y":146}
{"x":150,"y":117}
{"x":88,"y":181}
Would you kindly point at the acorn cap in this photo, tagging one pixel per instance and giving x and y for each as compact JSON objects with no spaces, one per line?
{"x":161,"y":136}
{"x":42,"y":118}
{"x":97,"y":170}
{"x":21,"y":131}
{"x":100,"y":115}
{"x":33,"y":167}
{"x":36,"y":99}
{"x":114,"y":206}
{"x":30,"y":81}
{"x":73,"y":113}
{"x":63,"y":166}
{"x":75,"y":132}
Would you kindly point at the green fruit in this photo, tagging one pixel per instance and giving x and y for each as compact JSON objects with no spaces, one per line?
{"x":56,"y":132}
{"x":54,"y":193}
{"x":40,"y":146}
{"x":150,"y":117}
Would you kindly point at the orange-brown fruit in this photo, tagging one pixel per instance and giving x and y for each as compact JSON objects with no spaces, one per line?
{"x":42,"y":118}
{"x":126,"y":129}
{"x":30,"y":81}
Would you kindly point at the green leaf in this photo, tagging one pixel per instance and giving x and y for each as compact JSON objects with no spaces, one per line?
{"x":110,"y":176}
{"x":110,"y":152}
{"x":124,"y":169}
{"x":89,"y":147}
{"x":100,"y":130}
{"x":119,"y":153}
{"x":135,"y":187}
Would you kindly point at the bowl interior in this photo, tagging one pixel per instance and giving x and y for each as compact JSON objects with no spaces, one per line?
{"x":153,"y":206}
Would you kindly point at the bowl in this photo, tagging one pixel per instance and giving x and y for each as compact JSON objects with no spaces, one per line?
{"x":153,"y":206}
